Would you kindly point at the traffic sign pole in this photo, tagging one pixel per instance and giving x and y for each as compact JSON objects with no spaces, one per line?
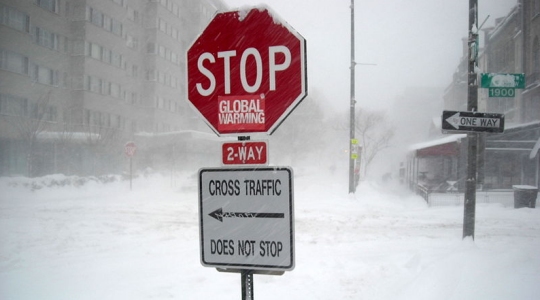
{"x":472,"y":138}
{"x":247,"y":284}
{"x":130,"y":149}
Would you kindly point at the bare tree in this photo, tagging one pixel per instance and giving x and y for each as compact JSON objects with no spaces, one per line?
{"x":30,"y":124}
{"x":373,"y":131}
{"x":101,"y":138}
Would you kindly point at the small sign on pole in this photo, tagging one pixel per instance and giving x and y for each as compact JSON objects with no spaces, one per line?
{"x":245,"y":153}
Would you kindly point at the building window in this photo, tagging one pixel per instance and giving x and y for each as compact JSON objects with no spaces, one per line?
{"x":96,"y":18}
{"x":13,"y":105}
{"x":43,"y":112}
{"x":116,"y":27}
{"x":45,"y":38}
{"x":13,"y":62}
{"x":15,"y":19}
{"x":99,"y":19}
{"x":45,"y":75}
{"x":50,"y":5}
{"x":151,"y":48}
{"x":134,"y":71}
{"x":133,"y":14}
{"x":115,"y":90}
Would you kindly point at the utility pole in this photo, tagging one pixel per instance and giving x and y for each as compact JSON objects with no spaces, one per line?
{"x":352,"y":160}
{"x":472,"y":138}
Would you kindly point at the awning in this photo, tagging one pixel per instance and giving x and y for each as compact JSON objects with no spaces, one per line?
{"x":447,"y":146}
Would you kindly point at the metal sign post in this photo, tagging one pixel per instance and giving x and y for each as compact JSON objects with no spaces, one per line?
{"x":130,"y":149}
{"x":247,"y":285}
{"x":472,"y":138}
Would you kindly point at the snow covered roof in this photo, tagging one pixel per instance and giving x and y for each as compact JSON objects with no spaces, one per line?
{"x":445,"y":140}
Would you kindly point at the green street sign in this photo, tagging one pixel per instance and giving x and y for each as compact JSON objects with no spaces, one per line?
{"x":501,"y":80}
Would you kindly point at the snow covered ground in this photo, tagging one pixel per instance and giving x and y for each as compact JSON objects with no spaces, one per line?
{"x":103,"y":241}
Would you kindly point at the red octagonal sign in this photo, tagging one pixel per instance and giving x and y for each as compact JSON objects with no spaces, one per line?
{"x":247,"y":71}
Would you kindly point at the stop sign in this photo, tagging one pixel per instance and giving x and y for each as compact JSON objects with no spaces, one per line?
{"x":246,"y":71}
{"x":130,"y":148}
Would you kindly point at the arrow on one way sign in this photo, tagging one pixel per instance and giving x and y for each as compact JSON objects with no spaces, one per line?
{"x":218,"y":214}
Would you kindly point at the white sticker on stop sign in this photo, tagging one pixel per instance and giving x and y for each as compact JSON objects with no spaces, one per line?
{"x":241,"y":112}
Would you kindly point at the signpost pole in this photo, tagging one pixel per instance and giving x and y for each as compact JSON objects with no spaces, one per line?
{"x":247,"y":284}
{"x":352,"y":181}
{"x":472,"y":137}
{"x":130,"y":173}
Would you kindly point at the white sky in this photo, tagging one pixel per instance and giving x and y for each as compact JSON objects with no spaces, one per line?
{"x":413,"y":42}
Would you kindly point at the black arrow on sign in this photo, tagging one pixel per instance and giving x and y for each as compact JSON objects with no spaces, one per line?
{"x":218,"y":214}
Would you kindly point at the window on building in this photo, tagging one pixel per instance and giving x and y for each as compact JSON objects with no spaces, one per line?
{"x":133,"y":14}
{"x":151,"y":48}
{"x":132,"y":42}
{"x":162,"y":26}
{"x":116,"y":27}
{"x":93,"y":84}
{"x":45,"y":75}
{"x":46,"y":38}
{"x":13,"y":105}
{"x":96,"y":17}
{"x":43,"y":112}
{"x":13,"y":62}
{"x":50,"y":5}
{"x":95,"y":51}
{"x":15,"y":19}
{"x":107,"y":23}
{"x":115,"y":90}
{"x":106,"y":56}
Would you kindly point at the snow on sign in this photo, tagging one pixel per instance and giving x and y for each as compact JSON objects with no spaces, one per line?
{"x":246,"y":71}
{"x":246,"y":218}
{"x":466,"y":121}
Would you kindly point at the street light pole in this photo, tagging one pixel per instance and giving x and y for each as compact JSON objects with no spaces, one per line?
{"x":352,"y":185}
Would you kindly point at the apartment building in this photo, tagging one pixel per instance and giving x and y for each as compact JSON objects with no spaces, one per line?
{"x":78,"y":78}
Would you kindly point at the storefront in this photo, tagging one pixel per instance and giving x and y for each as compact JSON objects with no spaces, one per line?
{"x":506,"y":159}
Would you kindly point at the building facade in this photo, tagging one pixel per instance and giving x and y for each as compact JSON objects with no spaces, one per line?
{"x":79,"y":78}
{"x":506,"y":159}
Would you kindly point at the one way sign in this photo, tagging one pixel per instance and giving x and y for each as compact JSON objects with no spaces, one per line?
{"x":466,"y":121}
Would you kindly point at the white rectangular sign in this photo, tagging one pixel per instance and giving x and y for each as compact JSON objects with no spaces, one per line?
{"x":246,"y":218}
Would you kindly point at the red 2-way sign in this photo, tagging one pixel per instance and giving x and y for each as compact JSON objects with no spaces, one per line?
{"x":246,"y":72}
{"x":245,"y":153}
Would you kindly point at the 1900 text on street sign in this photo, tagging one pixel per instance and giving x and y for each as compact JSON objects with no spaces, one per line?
{"x":246,"y":72}
{"x":466,"y":121}
{"x":246,"y":218}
